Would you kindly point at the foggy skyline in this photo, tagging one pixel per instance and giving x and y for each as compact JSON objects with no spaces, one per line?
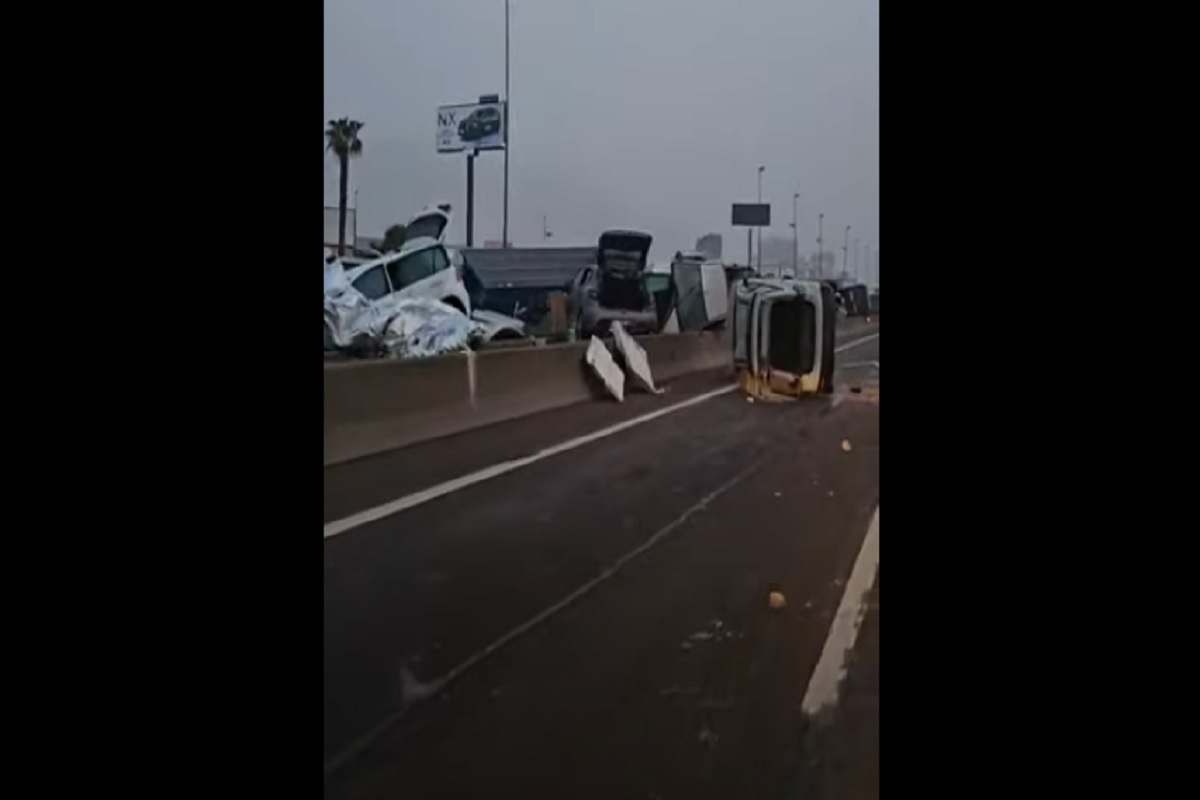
{"x":651,"y":115}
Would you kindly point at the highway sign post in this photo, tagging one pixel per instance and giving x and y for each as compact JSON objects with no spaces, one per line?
{"x":472,"y":127}
{"x":751,"y":215}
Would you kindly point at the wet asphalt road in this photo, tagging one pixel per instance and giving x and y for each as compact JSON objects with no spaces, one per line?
{"x":603,"y":698}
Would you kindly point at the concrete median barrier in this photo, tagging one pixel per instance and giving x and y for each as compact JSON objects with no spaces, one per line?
{"x":373,"y":406}
{"x":672,"y":356}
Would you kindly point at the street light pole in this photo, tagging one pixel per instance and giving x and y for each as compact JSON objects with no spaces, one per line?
{"x":507,"y":137}
{"x":795,"y":239}
{"x":856,"y":240}
{"x":760,"y":173}
{"x":845,"y":249}
{"x":820,"y":251}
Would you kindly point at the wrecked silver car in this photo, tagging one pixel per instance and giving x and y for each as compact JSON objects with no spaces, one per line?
{"x":783,"y":337}
{"x":614,"y":288}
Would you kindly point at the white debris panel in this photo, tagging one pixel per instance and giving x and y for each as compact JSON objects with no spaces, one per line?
{"x":634,"y":357}
{"x":602,"y":363}
{"x":419,"y":327}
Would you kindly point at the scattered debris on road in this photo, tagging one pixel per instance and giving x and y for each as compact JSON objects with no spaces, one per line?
{"x":846,"y":447}
{"x":708,"y":736}
{"x":776,"y":601}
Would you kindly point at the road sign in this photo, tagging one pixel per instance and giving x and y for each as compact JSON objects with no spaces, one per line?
{"x":752,"y":214}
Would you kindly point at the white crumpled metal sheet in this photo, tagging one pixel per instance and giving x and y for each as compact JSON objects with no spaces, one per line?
{"x":419,"y":327}
{"x":404,"y":327}
{"x":347,"y":312}
{"x":602,"y":363}
{"x":634,"y":356}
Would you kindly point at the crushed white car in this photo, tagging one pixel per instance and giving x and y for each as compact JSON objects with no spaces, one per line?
{"x":409,"y":304}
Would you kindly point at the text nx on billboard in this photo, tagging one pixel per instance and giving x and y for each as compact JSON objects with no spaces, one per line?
{"x":470,"y":126}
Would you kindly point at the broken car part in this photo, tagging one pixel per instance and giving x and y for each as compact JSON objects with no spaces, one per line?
{"x":602,"y":363}
{"x":634,"y":357}
{"x":701,"y":293}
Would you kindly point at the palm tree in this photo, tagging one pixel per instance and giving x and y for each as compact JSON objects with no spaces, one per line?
{"x":344,"y":142}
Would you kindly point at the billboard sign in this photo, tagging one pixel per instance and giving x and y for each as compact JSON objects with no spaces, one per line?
{"x":752,"y":214}
{"x":470,"y":126}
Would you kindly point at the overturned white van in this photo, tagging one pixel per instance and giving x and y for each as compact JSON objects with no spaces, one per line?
{"x":783,"y":337}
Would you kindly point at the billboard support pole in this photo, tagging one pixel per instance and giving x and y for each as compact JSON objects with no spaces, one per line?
{"x":507,"y":101}
{"x":749,"y":243}
{"x":470,"y":199}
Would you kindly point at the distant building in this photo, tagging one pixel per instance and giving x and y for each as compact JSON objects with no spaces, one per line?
{"x":710,"y":245}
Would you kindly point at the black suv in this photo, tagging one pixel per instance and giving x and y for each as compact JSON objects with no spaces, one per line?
{"x":480,"y":123}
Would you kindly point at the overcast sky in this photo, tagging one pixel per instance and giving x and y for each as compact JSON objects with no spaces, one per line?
{"x":648,"y":114}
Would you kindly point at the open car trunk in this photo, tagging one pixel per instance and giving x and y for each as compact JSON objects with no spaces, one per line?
{"x":621,"y":260}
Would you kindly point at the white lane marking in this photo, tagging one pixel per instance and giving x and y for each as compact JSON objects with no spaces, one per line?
{"x":487,"y":473}
{"x":831,"y":667}
{"x":432,"y":687}
{"x":856,"y":342}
